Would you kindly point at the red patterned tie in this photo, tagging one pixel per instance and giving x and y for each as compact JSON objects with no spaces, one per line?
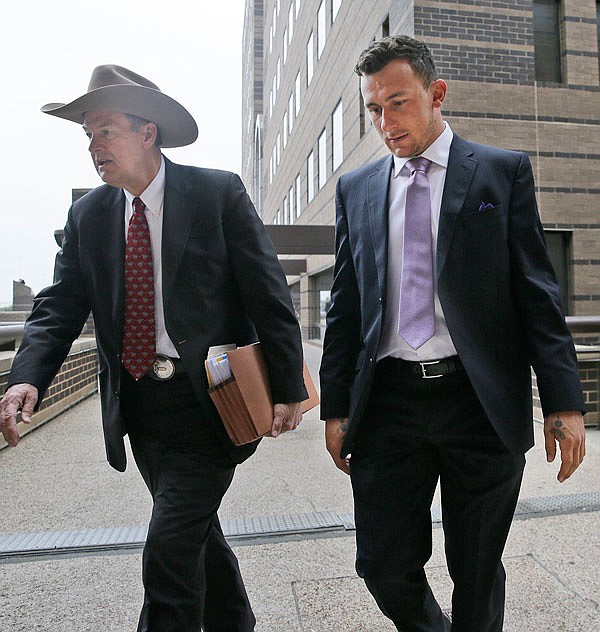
{"x":139,"y":337}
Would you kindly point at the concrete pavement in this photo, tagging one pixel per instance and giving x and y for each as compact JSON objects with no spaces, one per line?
{"x":58,"y":481}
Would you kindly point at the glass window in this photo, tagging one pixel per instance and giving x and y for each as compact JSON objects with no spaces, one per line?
{"x":291,"y":23}
{"x":285,"y":46}
{"x":286,"y":211}
{"x":297,"y":93}
{"x":337,"y":124}
{"x":292,"y":200}
{"x":285,"y":129}
{"x":309,"y":59}
{"x":278,"y":75}
{"x":321,"y":29}
{"x":298,"y":197}
{"x":291,"y":113}
{"x":297,"y":7}
{"x":559,"y":251}
{"x":335,"y":7}
{"x":546,"y":40}
{"x":310,"y":176}
{"x":322,"y":159}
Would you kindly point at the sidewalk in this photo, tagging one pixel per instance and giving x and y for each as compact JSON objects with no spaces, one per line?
{"x":58,"y":480}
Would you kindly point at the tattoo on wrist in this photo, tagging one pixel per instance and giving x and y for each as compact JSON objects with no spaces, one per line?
{"x":556,"y":430}
{"x":343,"y":428}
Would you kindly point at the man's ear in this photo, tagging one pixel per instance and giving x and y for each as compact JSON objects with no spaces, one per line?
{"x":438,"y":92}
{"x":150,"y":133}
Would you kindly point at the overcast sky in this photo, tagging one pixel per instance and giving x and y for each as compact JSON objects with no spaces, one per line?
{"x":190,"y":49}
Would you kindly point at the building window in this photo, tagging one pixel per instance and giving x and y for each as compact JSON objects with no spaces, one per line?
{"x":559,"y":251}
{"x":286,"y":211}
{"x":298,"y":197}
{"x":297,"y":7}
{"x":278,"y":75}
{"x":292,"y":200}
{"x":385,"y":27}
{"x":598,"y":29}
{"x":285,"y":129}
{"x":278,"y":150}
{"x":309,"y":59}
{"x":322,"y":159}
{"x":546,"y":40}
{"x":291,"y":22}
{"x":310,"y":176}
{"x":297,"y":93}
{"x":335,"y":7}
{"x":321,"y":29}
{"x":278,"y":217}
{"x":337,"y":124}
{"x":285,"y":46}
{"x":361,"y":113}
{"x":291,"y":113}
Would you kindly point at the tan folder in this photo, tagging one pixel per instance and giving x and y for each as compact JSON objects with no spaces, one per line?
{"x":244,"y":402}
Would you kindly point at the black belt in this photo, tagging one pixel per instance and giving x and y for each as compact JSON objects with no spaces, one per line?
{"x":424,"y":370}
{"x":165,"y":368}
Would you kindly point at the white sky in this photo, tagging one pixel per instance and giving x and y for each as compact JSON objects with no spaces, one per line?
{"x":192,"y":49}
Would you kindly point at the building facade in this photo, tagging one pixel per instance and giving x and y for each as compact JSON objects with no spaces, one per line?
{"x":522,"y":74}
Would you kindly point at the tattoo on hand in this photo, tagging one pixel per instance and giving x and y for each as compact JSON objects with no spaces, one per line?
{"x":343,"y":428}
{"x":556,"y":431}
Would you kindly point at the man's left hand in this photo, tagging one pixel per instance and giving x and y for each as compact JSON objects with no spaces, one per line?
{"x":567,"y":430}
{"x":285,"y":417}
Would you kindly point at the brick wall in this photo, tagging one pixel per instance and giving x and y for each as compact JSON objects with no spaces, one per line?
{"x":76,"y":380}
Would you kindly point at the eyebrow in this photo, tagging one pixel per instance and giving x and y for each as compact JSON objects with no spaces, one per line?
{"x":388,"y":98}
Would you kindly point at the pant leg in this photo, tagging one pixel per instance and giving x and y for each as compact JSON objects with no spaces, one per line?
{"x":394,"y":473}
{"x":226,"y":604}
{"x":186,"y":561}
{"x":480,"y":482}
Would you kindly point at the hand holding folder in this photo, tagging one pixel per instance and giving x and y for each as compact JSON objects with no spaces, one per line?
{"x":244,"y":400}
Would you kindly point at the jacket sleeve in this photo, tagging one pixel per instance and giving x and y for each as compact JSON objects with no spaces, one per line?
{"x":58,"y":316}
{"x":535,"y":289}
{"x":342,"y":340}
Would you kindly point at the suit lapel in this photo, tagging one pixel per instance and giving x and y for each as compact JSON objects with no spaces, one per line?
{"x":177,"y":223}
{"x":377,"y":202}
{"x":460,"y":172}
{"x":112,"y":234}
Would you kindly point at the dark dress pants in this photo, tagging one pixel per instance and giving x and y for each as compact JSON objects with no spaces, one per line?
{"x":191,"y":577}
{"x":416,"y":431}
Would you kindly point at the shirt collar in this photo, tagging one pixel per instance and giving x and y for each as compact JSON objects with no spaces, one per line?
{"x":154,"y":193}
{"x":438,"y":152}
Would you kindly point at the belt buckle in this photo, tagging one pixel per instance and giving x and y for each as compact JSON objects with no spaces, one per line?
{"x":163,"y":369}
{"x":424,"y":366}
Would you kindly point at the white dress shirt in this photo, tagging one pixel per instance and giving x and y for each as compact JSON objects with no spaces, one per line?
{"x":153,"y":197}
{"x":392,"y":344}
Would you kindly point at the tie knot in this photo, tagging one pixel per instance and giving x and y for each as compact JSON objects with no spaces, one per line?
{"x":418,"y":164}
{"x":138,"y":205}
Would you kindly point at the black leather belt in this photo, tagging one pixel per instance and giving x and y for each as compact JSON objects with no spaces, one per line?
{"x":165,"y":368}
{"x":424,"y":370}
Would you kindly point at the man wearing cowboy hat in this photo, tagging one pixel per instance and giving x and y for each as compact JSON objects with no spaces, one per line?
{"x":170,"y":260}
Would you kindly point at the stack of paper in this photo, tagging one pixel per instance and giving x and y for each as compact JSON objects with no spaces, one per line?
{"x":218,"y":370}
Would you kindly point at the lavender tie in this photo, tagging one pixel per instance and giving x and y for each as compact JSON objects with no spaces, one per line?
{"x":416,"y":320}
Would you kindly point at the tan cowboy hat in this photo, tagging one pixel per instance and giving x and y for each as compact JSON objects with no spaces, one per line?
{"x":120,"y":90}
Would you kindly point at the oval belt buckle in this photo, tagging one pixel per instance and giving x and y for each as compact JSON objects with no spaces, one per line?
{"x":163,"y":368}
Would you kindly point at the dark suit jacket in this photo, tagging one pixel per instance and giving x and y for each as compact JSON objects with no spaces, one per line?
{"x":496,"y":285}
{"x":221,"y":281}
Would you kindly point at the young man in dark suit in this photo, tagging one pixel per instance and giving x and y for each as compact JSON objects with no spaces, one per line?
{"x":443,"y":298}
{"x":170,"y":260}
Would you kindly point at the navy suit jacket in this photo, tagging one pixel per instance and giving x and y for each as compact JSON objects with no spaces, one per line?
{"x":221,"y":283}
{"x":496,"y":286}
